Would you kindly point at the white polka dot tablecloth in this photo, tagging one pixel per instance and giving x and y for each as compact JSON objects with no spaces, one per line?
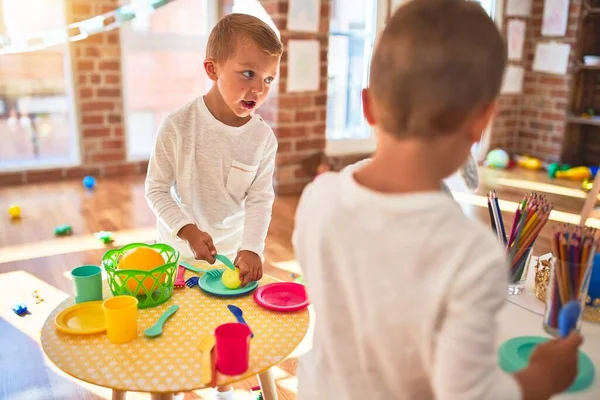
{"x":171,"y":362}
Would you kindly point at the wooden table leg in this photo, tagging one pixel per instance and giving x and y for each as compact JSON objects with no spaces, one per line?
{"x":119,"y":395}
{"x":161,"y":396}
{"x":267,"y":385}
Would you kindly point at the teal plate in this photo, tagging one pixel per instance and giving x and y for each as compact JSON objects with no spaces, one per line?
{"x":514,"y":354}
{"x":214,"y":285}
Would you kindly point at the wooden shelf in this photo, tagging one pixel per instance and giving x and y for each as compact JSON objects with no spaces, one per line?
{"x":581,"y":65}
{"x":583,"y":120}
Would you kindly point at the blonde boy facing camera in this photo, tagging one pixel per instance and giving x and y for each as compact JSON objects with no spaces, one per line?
{"x":406,"y":288}
{"x":210,"y":175}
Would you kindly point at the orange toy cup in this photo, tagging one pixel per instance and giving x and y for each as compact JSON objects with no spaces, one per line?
{"x":120,"y":316}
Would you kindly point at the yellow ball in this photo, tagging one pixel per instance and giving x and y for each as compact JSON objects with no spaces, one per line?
{"x":146,"y":259}
{"x":231,"y":278}
{"x":14,"y":211}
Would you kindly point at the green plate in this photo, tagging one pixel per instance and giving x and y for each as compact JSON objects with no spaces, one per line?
{"x":214,"y":285}
{"x":514,"y":354}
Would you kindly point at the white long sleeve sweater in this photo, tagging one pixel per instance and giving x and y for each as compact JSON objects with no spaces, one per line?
{"x":405,"y":289}
{"x":213,"y":175}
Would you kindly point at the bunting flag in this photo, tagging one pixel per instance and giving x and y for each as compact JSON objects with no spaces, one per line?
{"x":79,"y":30}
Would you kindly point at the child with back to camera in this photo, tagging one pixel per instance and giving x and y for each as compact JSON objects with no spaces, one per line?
{"x":406,"y":288}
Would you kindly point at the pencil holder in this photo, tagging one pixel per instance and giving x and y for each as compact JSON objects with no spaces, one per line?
{"x":519,"y":259}
{"x":568,"y":281}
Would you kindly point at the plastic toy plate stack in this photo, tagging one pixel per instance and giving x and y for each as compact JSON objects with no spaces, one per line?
{"x":282,"y":296}
{"x":514,"y":354}
{"x":81,"y":319}
{"x":214,"y":285}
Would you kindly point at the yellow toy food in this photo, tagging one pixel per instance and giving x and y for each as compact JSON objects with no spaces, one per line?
{"x":142,"y":258}
{"x":14,"y":211}
{"x":231,"y":278}
{"x":531,"y":163}
{"x":576,"y":174}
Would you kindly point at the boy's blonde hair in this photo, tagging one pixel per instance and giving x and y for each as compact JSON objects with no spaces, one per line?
{"x":234,"y":29}
{"x":437,"y":64}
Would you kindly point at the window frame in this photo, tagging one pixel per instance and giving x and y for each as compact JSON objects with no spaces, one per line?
{"x":129,"y":39}
{"x":75,"y":156}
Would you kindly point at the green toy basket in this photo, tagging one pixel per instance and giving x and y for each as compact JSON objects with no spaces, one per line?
{"x":161,"y":278}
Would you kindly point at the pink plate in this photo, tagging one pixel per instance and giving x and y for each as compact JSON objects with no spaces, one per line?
{"x":282,"y":296}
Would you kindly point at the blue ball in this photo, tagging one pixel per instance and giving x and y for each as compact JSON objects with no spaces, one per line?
{"x":89,"y":182}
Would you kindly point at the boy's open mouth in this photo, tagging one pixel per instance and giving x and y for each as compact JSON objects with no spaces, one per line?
{"x":248,"y":105}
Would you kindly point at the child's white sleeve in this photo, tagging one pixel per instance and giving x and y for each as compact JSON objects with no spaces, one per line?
{"x":465,"y":365}
{"x":259,"y":201}
{"x":161,"y":178}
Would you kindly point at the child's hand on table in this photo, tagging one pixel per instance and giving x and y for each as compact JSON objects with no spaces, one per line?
{"x":250,"y":266}
{"x":200,"y":243}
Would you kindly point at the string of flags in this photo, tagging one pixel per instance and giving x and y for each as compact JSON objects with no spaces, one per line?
{"x":80,"y":30}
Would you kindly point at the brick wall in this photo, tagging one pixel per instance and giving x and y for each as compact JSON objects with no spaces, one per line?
{"x":298,"y":119}
{"x":534,"y":122}
{"x":96,"y":66}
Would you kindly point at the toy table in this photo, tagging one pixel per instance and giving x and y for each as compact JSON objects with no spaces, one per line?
{"x":170,"y":363}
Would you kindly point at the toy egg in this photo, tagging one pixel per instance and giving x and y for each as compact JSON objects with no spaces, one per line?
{"x":14,"y":211}
{"x":145,"y":259}
{"x":231,"y":278}
{"x":587,"y":184}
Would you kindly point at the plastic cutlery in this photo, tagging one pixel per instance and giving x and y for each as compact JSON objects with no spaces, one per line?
{"x":157,"y":328}
{"x":567,"y":318}
{"x":225,"y":261}
{"x":210,"y":272}
{"x":179,"y":280}
{"x":239,"y":315}
{"x":207,"y":342}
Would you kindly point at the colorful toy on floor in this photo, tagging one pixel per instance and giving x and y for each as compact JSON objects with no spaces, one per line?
{"x":497,"y":158}
{"x":20,"y":309}
{"x":142,"y":259}
{"x":587,"y":184}
{"x":89,"y":182}
{"x":104,"y":237}
{"x":14,"y":211}
{"x":532,"y":163}
{"x":63,"y":230}
{"x":36,"y":296}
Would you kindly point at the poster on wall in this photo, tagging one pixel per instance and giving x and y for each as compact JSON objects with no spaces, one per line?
{"x":516,"y":39}
{"x":552,"y":58}
{"x":513,"y":80}
{"x":304,"y":65}
{"x":304,"y":15}
{"x":518,"y":8}
{"x":555,"y":18}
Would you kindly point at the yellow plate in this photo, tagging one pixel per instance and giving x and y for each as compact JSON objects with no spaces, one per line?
{"x":81,"y":319}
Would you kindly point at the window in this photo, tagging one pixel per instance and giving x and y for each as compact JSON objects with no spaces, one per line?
{"x":162,"y":56}
{"x":351,"y":38}
{"x":37,"y":121}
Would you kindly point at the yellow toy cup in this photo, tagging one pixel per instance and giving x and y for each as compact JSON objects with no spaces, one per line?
{"x":120,"y":317}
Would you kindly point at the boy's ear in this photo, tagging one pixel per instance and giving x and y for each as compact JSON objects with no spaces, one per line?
{"x":367,"y":107}
{"x":210,"y":66}
{"x":481,"y":122}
